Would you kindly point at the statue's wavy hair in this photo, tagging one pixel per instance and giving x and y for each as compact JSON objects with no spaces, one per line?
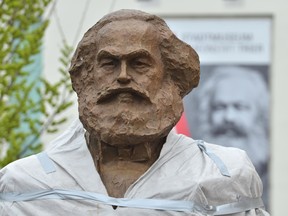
{"x":179,"y":59}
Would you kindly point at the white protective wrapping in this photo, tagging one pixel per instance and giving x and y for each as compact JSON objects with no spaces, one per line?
{"x":182,"y":172}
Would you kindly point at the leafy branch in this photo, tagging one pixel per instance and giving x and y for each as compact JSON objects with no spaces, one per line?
{"x":29,"y":104}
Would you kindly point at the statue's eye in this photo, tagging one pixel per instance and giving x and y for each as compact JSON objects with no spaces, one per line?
{"x":108,"y":63}
{"x":141,"y":64}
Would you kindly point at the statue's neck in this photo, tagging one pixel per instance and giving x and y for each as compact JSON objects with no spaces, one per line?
{"x":121,"y":166}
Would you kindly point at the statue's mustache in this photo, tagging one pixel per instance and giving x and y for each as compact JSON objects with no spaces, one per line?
{"x":112,"y":91}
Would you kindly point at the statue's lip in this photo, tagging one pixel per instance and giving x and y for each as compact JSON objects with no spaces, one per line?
{"x":126,"y":96}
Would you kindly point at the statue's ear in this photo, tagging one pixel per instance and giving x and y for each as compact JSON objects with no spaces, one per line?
{"x":182,"y":62}
{"x":185,"y":82}
{"x":80,"y":71}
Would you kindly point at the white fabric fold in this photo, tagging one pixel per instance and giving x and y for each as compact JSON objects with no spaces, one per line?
{"x":182,"y":173}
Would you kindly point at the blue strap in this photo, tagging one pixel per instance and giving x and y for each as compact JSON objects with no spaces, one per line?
{"x":157,"y":204}
{"x":46,"y":162}
{"x":219,"y":163}
{"x":242,"y":205}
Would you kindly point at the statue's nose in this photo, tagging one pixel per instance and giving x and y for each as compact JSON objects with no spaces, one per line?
{"x":124,"y":77}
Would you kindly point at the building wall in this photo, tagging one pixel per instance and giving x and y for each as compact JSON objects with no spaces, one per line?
{"x":69,"y":14}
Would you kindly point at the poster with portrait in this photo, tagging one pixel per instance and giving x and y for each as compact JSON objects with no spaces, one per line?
{"x":230,"y":106}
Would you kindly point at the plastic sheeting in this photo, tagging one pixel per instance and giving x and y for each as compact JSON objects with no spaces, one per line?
{"x":183,"y":172}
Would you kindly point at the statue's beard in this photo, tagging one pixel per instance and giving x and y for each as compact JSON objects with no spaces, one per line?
{"x":130,"y":116}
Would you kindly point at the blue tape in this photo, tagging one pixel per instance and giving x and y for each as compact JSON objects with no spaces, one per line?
{"x":46,"y":162}
{"x":157,"y":204}
{"x":242,"y":205}
{"x":219,"y":163}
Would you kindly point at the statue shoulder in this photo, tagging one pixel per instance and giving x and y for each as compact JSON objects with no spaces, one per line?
{"x":234,"y":158}
{"x":19,"y":173}
{"x":243,"y":180}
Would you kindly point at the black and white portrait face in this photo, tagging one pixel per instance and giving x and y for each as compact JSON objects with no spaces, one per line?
{"x":231,"y":108}
{"x":233,"y":115}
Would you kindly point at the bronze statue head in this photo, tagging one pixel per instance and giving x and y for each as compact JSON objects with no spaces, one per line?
{"x":130,"y":73}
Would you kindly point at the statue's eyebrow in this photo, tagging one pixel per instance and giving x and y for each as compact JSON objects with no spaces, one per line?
{"x":105,"y":54}
{"x":137,"y":53}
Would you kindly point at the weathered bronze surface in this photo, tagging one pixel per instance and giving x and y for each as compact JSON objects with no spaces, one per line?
{"x":130,"y":73}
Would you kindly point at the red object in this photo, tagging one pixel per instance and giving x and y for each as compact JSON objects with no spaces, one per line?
{"x":182,"y":126}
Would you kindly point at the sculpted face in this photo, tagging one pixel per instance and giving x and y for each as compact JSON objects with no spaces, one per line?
{"x":128,"y":60}
{"x":129,"y":98}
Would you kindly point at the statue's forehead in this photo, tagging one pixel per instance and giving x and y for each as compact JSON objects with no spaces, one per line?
{"x":129,"y":30}
{"x":128,"y":35}
{"x":125,"y":26}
